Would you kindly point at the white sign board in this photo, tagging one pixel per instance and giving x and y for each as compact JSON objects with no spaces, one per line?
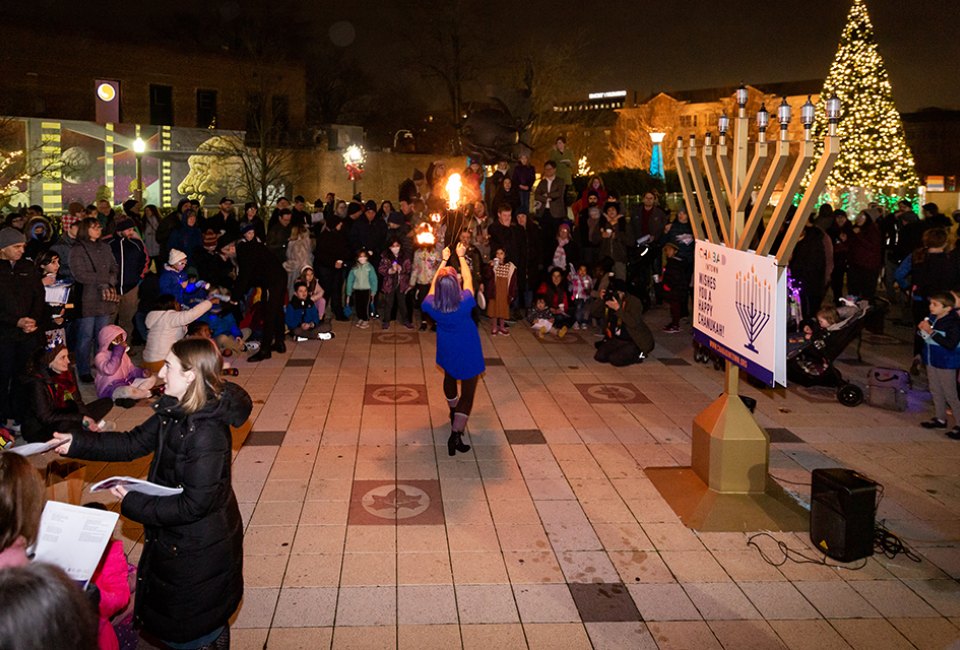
{"x":740,"y":308}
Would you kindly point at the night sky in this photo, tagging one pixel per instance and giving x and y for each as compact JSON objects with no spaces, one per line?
{"x":624,"y":44}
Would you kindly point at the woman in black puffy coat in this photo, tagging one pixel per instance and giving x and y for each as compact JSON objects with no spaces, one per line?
{"x":190,"y":578}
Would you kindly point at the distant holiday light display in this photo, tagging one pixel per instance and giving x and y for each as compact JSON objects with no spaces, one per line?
{"x":875,"y":155}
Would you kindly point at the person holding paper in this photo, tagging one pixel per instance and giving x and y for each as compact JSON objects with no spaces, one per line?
{"x":21,"y":503}
{"x":191,"y":568}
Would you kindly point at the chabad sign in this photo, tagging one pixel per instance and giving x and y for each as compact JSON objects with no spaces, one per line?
{"x":739,"y":310}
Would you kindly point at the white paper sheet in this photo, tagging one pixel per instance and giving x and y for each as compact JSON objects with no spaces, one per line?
{"x":136,"y":485}
{"x":74,"y":538}
{"x":33,"y":448}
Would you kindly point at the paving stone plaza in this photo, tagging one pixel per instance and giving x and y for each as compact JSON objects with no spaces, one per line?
{"x":361,"y":532}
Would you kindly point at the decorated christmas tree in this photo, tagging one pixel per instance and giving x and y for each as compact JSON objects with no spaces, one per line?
{"x":874,"y":155}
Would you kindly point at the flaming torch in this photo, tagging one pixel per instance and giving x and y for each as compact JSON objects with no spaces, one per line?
{"x":453,"y":190}
{"x":425,"y":236}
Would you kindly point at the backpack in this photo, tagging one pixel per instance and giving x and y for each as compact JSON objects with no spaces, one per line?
{"x":888,"y":388}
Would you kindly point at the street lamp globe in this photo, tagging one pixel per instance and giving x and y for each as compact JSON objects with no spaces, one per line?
{"x":139,"y":146}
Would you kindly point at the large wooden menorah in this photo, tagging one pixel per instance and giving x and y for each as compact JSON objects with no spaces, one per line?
{"x":730,"y":450}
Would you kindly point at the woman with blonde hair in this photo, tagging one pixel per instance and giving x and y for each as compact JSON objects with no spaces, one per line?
{"x":191,"y":569}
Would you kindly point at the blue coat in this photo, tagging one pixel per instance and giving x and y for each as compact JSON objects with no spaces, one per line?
{"x":299,"y":312}
{"x":941,"y":349}
{"x":458,"y":343}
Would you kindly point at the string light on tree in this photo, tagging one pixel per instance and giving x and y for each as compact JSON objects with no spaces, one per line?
{"x":875,"y":155}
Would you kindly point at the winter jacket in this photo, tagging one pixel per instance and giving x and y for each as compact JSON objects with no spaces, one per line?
{"x":556,"y":296}
{"x":332,"y":245}
{"x":299,"y":312}
{"x":278,"y":239}
{"x":580,"y":287}
{"x":165,"y":230}
{"x":512,"y":239}
{"x":524,"y":175}
{"x":675,"y":278}
{"x":356,"y":274}
{"x":368,"y":235}
{"x":62,"y":247}
{"x":399,"y":280}
{"x":936,"y":272}
{"x":299,"y":255}
{"x":166,"y":327}
{"x":114,"y":367}
{"x":213,"y":268}
{"x":615,"y":246}
{"x":188,"y":239}
{"x":53,"y":403}
{"x":171,"y":284}
{"x":190,"y":576}
{"x":942,"y":347}
{"x":94,"y":266}
{"x":114,"y":587}
{"x":132,"y":262}
{"x":222,"y":323}
{"x":21,"y":295}
{"x":258,"y":268}
{"x":866,"y":249}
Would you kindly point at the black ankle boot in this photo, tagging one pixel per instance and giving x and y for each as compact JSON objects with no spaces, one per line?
{"x":455,"y":443}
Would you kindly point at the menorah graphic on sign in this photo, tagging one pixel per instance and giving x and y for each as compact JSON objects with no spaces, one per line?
{"x":753,"y":305}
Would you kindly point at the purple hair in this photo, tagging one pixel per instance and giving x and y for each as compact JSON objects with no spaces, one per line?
{"x":447,"y":292}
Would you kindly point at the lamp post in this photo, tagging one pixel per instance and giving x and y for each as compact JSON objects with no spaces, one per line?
{"x":139,"y":147}
{"x":656,"y":157}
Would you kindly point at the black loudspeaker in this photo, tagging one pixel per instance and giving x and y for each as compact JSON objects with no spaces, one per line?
{"x":842,"y":511}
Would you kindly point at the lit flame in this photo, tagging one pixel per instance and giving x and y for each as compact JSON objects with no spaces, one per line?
{"x":436,"y":217}
{"x":453,"y":190}
{"x":425,"y":236}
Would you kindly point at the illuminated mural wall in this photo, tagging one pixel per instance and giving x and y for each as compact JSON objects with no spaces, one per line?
{"x":179,"y":162}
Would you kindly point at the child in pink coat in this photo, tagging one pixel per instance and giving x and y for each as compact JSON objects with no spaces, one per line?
{"x":117,"y":377}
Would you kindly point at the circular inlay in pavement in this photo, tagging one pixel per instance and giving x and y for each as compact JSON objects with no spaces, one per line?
{"x":611,"y":393}
{"x":396,"y":501}
{"x":400,"y":338}
{"x":395,"y":394}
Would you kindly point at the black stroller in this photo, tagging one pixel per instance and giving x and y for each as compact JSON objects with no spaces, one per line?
{"x":810,"y":362}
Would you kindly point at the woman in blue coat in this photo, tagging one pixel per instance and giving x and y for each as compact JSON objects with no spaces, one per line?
{"x":458,"y":343}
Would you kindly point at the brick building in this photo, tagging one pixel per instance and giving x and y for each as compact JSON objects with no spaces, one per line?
{"x":54,"y":76}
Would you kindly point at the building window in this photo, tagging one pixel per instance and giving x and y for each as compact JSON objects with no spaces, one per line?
{"x":207,"y":109}
{"x":254,"y":114}
{"x":161,"y":105}
{"x":280,"y":107}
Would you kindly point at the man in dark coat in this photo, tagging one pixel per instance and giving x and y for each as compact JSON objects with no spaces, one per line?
{"x":506,"y":235}
{"x":22,"y":306}
{"x":133,"y":263}
{"x":331,"y":260}
{"x":368,"y":232}
{"x":260,"y":268}
{"x":168,"y":225}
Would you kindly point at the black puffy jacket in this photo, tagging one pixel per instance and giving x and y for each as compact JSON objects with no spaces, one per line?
{"x":21,"y":295}
{"x":190,"y":578}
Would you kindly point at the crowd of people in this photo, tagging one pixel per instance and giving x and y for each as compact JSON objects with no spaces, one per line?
{"x":193,"y":288}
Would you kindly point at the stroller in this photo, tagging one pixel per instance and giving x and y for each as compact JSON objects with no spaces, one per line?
{"x":810,"y":362}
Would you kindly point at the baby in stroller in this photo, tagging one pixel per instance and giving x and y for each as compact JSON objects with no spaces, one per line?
{"x":811,"y":353}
